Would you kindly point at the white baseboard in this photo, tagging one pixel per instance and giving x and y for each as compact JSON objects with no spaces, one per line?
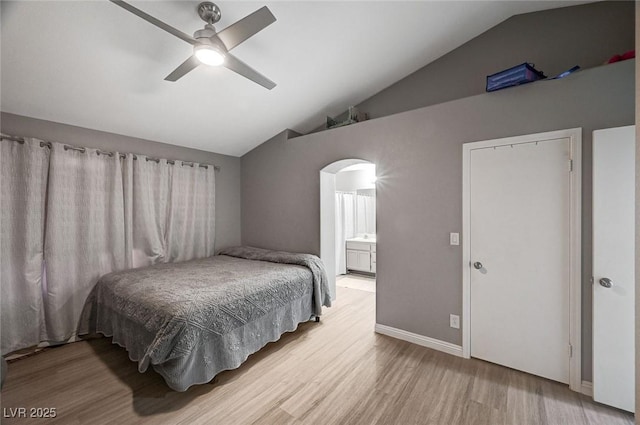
{"x":422,"y":340}
{"x":587,"y":388}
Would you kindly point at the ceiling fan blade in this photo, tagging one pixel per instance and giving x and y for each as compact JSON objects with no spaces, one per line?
{"x":246,"y":27}
{"x":158,"y":23}
{"x":236,"y":65}
{"x":184,"y":68}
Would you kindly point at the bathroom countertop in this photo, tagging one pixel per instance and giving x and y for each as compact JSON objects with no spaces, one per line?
{"x":365,"y":240}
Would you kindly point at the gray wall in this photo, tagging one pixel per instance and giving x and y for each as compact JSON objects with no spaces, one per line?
{"x":227,"y":179}
{"x":555,"y":40}
{"x":419,"y":274}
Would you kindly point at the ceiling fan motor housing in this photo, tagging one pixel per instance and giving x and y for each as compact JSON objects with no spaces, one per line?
{"x":206,"y":36}
{"x":209,"y":12}
{"x":207,"y":32}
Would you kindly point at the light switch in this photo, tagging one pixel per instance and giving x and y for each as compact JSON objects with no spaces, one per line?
{"x":454,"y":238}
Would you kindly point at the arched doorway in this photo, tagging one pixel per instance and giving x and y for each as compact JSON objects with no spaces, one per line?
{"x":328,"y":215}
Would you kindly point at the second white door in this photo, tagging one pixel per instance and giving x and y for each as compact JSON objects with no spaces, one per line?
{"x":520,"y":199}
{"x":613,"y":267}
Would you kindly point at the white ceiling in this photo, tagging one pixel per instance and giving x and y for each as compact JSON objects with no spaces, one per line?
{"x":93,"y":64}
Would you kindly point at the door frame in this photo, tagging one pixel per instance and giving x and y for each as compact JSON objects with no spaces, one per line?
{"x":575,"y":235}
{"x":327,"y":216}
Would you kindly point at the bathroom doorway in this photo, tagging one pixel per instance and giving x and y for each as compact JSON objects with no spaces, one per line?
{"x":348,"y":224}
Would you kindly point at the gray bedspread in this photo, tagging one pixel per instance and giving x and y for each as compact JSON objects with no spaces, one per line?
{"x":194,"y":319}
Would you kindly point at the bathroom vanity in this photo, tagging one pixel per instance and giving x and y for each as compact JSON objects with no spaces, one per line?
{"x":361,"y":254}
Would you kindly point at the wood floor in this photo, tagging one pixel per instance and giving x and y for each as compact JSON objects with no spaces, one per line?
{"x":337,"y":371}
{"x":354,"y":281}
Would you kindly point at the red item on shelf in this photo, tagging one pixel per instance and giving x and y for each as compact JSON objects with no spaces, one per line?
{"x":623,"y":57}
{"x":628,"y":55}
{"x":614,"y":59}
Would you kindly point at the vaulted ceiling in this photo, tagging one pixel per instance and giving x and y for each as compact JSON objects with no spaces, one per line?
{"x":93,"y":64}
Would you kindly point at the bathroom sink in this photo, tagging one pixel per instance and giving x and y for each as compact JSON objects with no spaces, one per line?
{"x":362,"y":239}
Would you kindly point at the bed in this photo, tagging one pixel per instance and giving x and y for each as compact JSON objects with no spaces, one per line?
{"x":194,"y":319}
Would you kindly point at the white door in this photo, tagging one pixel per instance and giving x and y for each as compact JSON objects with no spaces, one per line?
{"x":519,"y":236}
{"x":613,"y":266}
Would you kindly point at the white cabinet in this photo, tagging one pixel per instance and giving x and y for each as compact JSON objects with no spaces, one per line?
{"x":361,"y":256}
{"x":364,"y":261}
{"x":358,"y":260}
{"x":352,"y":259}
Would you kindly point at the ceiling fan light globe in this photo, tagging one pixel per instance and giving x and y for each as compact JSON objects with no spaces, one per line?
{"x":209,"y":55}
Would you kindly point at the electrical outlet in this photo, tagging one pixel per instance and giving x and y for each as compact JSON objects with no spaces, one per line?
{"x":454,"y":321}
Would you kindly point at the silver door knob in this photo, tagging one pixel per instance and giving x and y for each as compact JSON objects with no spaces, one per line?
{"x":606,"y":282}
{"x":477,"y":265}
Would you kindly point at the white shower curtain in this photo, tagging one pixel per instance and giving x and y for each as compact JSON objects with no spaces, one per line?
{"x":23,"y":183}
{"x":85,"y":233}
{"x":345,"y":227}
{"x":365,"y":214}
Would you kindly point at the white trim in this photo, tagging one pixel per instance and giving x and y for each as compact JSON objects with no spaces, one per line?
{"x":466,"y":253}
{"x":575,"y":284}
{"x":575,"y":262}
{"x":587,"y":388}
{"x":422,"y":340}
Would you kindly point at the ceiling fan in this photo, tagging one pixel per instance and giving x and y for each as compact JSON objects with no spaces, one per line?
{"x":211,"y":47}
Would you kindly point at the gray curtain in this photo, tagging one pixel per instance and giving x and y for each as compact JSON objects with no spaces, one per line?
{"x":191,"y":219}
{"x":147,"y":184}
{"x":103,"y":213}
{"x":85,"y":232}
{"x":172,"y":209}
{"x":23,"y":183}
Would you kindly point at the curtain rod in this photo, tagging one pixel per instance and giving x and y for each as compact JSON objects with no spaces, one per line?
{"x":100,"y":152}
